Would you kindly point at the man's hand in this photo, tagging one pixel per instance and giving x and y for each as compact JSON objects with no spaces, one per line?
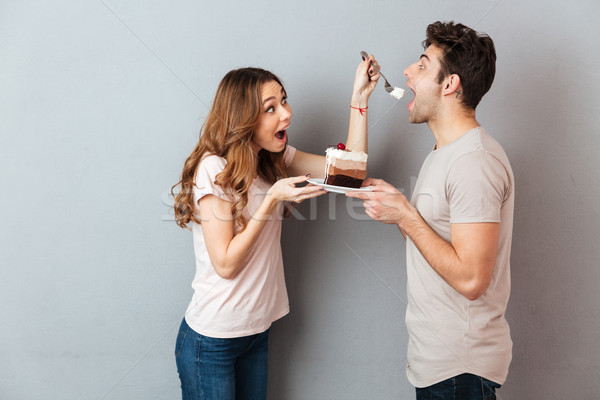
{"x":466,"y":262}
{"x":384,"y":202}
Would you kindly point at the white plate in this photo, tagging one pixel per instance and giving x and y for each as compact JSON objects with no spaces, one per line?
{"x":337,"y":189}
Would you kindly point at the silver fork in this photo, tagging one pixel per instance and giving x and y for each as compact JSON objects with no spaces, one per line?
{"x":388,"y":88}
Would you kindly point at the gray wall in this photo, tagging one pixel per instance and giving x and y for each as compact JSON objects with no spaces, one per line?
{"x":100,"y":103}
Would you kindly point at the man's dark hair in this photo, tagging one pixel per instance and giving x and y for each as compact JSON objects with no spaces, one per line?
{"x":470,"y":55}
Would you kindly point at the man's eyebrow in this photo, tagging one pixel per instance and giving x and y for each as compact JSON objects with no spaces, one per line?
{"x":424,"y":56}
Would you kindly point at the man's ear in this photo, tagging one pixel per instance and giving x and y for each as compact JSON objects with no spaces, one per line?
{"x":451,"y":84}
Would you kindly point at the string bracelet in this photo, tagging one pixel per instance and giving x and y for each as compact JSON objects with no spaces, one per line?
{"x":362,"y":110}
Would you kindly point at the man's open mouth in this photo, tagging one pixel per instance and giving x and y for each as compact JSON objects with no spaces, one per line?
{"x":412,"y":101}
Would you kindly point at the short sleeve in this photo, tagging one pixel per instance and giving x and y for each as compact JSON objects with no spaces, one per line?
{"x":204,"y":183}
{"x":476,"y":188}
{"x":289,"y":154}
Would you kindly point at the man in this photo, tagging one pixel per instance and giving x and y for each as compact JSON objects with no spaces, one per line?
{"x":458,"y":224}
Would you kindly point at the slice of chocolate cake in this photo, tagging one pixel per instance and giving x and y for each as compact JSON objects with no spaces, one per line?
{"x":345,"y":167}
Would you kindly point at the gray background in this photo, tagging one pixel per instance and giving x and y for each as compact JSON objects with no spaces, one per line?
{"x":100,"y":103}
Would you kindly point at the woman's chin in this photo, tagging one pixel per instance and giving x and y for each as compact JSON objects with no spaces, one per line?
{"x":273,"y":146}
{"x":278,"y":147}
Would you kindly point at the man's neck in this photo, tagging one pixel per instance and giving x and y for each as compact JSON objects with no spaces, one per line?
{"x":447,"y":129}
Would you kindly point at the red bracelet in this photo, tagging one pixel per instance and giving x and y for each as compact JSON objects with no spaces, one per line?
{"x":362,"y":110}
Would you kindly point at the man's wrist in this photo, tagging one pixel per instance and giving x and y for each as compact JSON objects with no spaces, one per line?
{"x":409,"y":220}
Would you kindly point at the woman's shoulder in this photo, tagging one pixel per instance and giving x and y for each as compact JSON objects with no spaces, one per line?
{"x":210,"y":166}
{"x":212,"y":162}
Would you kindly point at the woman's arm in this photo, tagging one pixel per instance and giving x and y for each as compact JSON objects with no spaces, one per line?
{"x":227,"y":251}
{"x":307,"y":163}
{"x":364,"y":83}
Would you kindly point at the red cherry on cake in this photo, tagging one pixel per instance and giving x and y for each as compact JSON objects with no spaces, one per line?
{"x":341,"y":146}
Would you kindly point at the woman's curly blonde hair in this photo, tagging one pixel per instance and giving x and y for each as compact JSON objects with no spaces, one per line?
{"x":227,"y":132}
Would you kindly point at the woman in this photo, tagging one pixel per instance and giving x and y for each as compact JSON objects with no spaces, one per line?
{"x":232,"y":195}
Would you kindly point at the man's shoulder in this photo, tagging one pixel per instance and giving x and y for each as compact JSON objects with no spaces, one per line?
{"x":481,"y":159}
{"x":487,"y":141}
{"x":478,"y":140}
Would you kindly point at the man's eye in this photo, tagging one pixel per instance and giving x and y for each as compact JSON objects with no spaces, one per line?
{"x":421,"y":66}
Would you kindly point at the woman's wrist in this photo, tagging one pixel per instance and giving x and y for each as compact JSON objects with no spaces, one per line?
{"x":269,"y":204}
{"x":265,"y":211}
{"x":359,"y":100}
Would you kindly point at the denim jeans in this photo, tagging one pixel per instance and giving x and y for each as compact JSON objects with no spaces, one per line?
{"x":221,"y":369}
{"x":461,"y":387}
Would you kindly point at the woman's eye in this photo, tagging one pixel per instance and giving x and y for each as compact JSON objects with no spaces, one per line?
{"x":270,"y":109}
{"x":421,"y":66}
{"x":284,"y":101}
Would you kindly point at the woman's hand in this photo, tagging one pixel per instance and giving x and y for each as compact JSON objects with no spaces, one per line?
{"x":365,"y":81}
{"x":286,"y":190}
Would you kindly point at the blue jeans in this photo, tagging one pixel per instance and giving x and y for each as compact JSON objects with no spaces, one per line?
{"x":222,"y":369}
{"x":461,"y":387}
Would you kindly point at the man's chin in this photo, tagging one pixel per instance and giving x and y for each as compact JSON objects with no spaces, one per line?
{"x":414,"y":120}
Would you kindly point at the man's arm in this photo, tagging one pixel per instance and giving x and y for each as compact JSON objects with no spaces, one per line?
{"x":466,"y":262}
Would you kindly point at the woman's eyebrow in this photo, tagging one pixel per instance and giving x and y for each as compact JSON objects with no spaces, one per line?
{"x":273,"y":97}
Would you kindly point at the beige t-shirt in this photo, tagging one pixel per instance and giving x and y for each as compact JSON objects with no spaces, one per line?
{"x":467,"y":181}
{"x":257,"y":296}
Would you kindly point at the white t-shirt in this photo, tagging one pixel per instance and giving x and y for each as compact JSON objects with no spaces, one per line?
{"x":257,"y":296}
{"x":467,"y":181}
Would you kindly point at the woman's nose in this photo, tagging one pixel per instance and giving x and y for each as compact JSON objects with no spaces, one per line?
{"x":285,"y":114}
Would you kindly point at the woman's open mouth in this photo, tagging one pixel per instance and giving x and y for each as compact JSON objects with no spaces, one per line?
{"x":281,"y":135}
